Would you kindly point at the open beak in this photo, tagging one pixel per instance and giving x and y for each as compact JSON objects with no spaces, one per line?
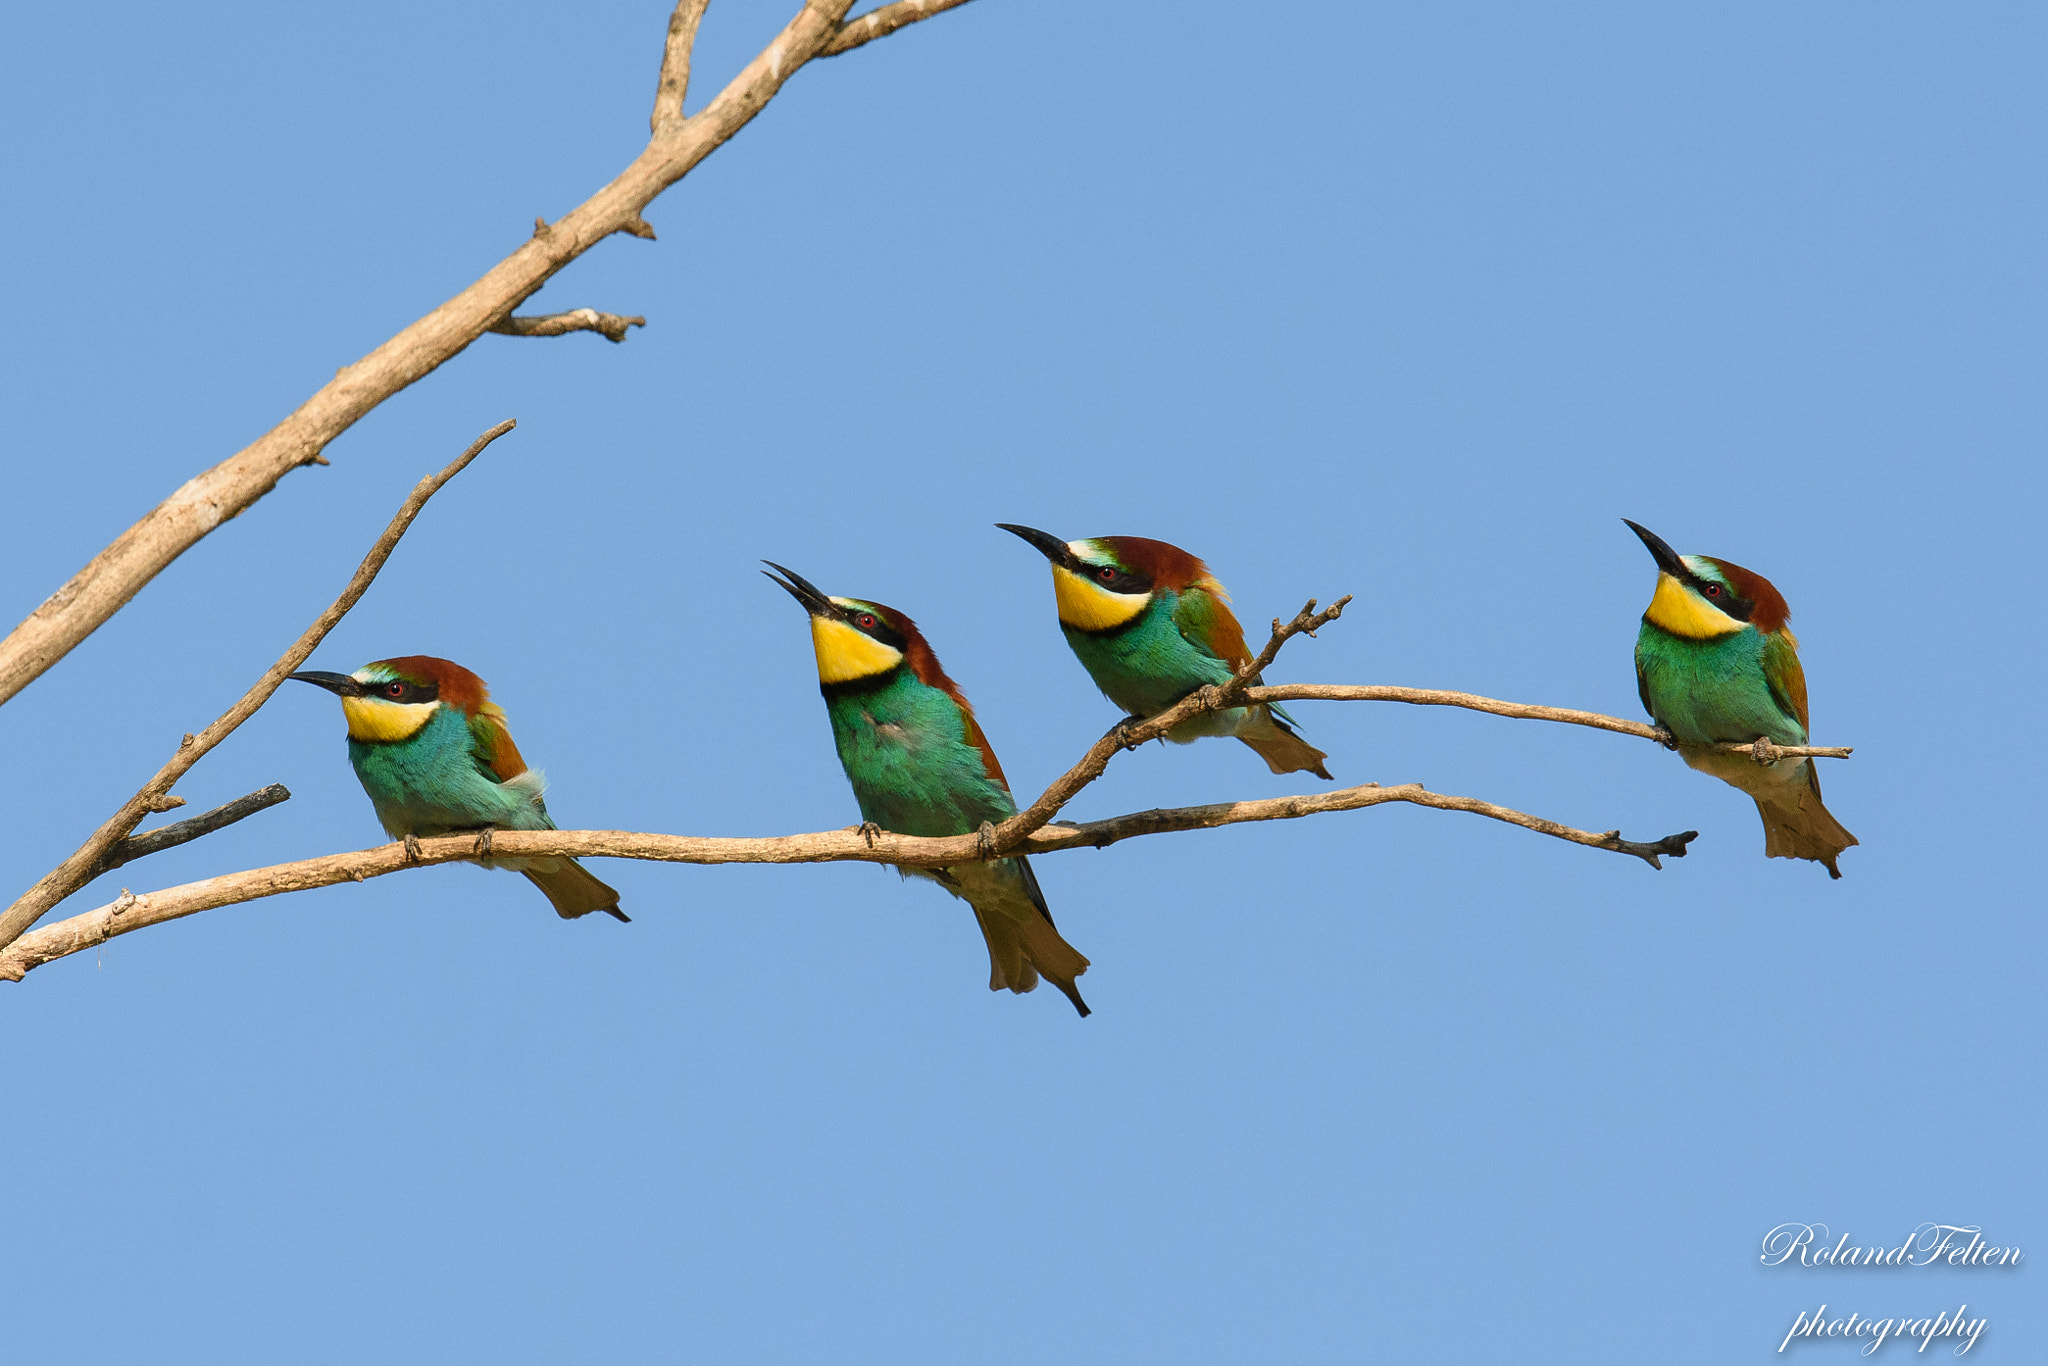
{"x":803,"y":590}
{"x":341,"y":685}
{"x":1667,"y":558}
{"x":1049,"y":545}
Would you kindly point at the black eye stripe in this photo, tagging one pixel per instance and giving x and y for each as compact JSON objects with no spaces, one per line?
{"x":407,"y":694}
{"x":1724,"y":599}
{"x":1117,"y":580}
{"x":873,"y":626}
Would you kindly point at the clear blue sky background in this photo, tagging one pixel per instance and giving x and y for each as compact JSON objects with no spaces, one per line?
{"x":1410,"y":302}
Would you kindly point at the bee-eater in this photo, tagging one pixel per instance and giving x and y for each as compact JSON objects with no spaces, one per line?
{"x":919,"y":765}
{"x":1151,"y":624}
{"x":432,"y":750}
{"x":1716,"y":664}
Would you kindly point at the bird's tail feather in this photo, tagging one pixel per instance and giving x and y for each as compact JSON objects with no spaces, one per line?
{"x":575,"y":890}
{"x":1787,"y":795}
{"x":1798,"y":826}
{"x":1023,"y":943}
{"x":1275,"y":742}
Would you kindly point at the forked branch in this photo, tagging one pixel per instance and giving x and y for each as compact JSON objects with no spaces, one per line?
{"x":90,"y":857}
{"x":674,"y":82}
{"x":191,"y":828}
{"x":880,"y":23}
{"x":1129,"y":734}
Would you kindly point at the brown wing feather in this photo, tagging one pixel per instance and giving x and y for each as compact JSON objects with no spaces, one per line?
{"x":494,"y":747}
{"x":1783,"y":672}
{"x":1226,"y":636}
{"x":925,"y":667}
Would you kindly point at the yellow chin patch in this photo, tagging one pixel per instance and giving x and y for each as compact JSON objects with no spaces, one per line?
{"x":1087,"y":607}
{"x":1682,"y":612}
{"x":845,"y":654}
{"x":374,"y":720}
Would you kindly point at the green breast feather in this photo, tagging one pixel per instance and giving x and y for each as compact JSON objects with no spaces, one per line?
{"x":905,"y":750}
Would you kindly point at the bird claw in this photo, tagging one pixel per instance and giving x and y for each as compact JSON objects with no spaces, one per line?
{"x":483,"y":843}
{"x":1763,"y":751}
{"x":985,"y":840}
{"x":869,"y":832}
{"x":1664,"y":736}
{"x":1123,"y":731}
{"x":412,"y":847}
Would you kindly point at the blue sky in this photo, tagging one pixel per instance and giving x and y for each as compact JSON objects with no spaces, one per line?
{"x":1409,"y":302}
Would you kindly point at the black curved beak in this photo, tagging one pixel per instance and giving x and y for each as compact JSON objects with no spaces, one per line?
{"x":803,"y":590}
{"x":341,"y":685}
{"x":1667,"y":558}
{"x":1047,"y":544}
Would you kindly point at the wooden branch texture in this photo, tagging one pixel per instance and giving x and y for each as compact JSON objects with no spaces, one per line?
{"x":677,"y":145}
{"x":610,"y":325}
{"x":131,"y":912}
{"x":192,"y":828}
{"x":880,"y":23}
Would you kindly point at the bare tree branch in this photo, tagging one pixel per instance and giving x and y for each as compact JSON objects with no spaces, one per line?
{"x":675,"y":64}
{"x":130,"y":912}
{"x":577,"y":320}
{"x":75,"y":871}
{"x":1763,"y":751}
{"x":678,"y":144}
{"x":185,"y":831}
{"x":880,"y":23}
{"x":1101,"y":834}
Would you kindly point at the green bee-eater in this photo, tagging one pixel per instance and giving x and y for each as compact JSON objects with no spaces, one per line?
{"x":432,"y":750}
{"x":919,"y":765}
{"x":1151,"y":624}
{"x":1716,"y":664}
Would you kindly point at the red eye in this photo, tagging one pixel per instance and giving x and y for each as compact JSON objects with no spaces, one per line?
{"x":395,"y":689}
{"x":1106,"y":573}
{"x":866,"y":621}
{"x":1713,"y":590}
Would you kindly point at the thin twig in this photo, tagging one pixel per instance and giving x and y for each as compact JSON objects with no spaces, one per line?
{"x":1437,"y":697}
{"x":676,"y":147}
{"x":612,"y":325}
{"x":1101,"y":834}
{"x":852,"y":845}
{"x":675,"y":63}
{"x":185,"y":831}
{"x":1129,"y":734}
{"x":75,"y":871}
{"x":880,"y":23}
